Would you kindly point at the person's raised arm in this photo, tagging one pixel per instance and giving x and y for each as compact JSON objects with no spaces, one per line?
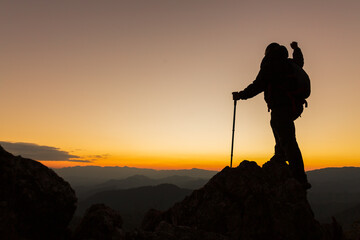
{"x":297,"y":54}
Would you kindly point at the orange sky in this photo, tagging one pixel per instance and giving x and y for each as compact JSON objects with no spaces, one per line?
{"x":148,"y":83}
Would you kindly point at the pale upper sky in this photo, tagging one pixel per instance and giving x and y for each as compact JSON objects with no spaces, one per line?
{"x":148,"y":82}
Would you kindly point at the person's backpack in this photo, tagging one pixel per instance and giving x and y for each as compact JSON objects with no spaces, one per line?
{"x":298,"y":88}
{"x":302,"y":86}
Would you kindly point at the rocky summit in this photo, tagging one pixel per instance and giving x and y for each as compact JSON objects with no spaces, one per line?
{"x":246,"y":202}
{"x":35,"y":203}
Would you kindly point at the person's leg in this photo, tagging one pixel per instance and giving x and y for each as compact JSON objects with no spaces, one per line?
{"x":279,"y":155}
{"x":284,"y":129}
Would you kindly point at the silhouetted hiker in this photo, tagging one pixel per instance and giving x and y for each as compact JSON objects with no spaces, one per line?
{"x":273,"y":80}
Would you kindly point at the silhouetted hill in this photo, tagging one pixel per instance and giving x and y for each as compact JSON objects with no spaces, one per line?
{"x":139,"y":181}
{"x":134,"y":203}
{"x":334,"y":190}
{"x":92,"y":175}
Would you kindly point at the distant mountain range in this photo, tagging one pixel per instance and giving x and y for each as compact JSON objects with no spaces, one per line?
{"x":93,"y":175}
{"x":334,"y":192}
{"x":132,"y":191}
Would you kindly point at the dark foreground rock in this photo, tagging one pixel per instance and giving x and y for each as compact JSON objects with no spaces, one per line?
{"x":100,"y":222}
{"x":166,"y":231}
{"x":354,"y":232}
{"x":35,"y":203}
{"x":247,"y":202}
{"x":103,"y":223}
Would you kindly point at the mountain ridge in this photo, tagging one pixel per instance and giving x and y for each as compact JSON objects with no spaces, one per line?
{"x":139,"y":181}
{"x":91,"y":175}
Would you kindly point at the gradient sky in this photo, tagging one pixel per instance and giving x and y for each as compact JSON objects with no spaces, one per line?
{"x":147,"y":83}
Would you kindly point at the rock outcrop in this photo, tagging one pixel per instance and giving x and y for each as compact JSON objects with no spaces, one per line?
{"x":100,"y":222}
{"x":247,"y":202}
{"x":35,"y":203}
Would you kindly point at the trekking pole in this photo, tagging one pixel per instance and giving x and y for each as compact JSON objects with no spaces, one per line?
{"x":233,"y":132}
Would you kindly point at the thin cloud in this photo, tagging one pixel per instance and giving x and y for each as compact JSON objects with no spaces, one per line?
{"x":91,"y":158}
{"x":41,"y":153}
{"x":78,"y":160}
{"x":97,"y":157}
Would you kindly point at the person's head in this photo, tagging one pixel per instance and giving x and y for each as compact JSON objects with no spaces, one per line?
{"x":282,"y":52}
{"x":271,"y":48}
{"x":276,"y":51}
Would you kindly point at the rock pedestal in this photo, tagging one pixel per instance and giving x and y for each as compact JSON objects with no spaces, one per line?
{"x":247,"y":202}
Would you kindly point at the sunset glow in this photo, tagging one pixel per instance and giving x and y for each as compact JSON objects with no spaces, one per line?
{"x":148,"y":83}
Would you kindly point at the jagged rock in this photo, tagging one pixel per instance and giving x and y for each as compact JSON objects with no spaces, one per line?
{"x":35,"y":203}
{"x":100,"y":222}
{"x":354,"y":232}
{"x":166,"y":231}
{"x":333,"y":231}
{"x":151,"y":219}
{"x":247,"y":203}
